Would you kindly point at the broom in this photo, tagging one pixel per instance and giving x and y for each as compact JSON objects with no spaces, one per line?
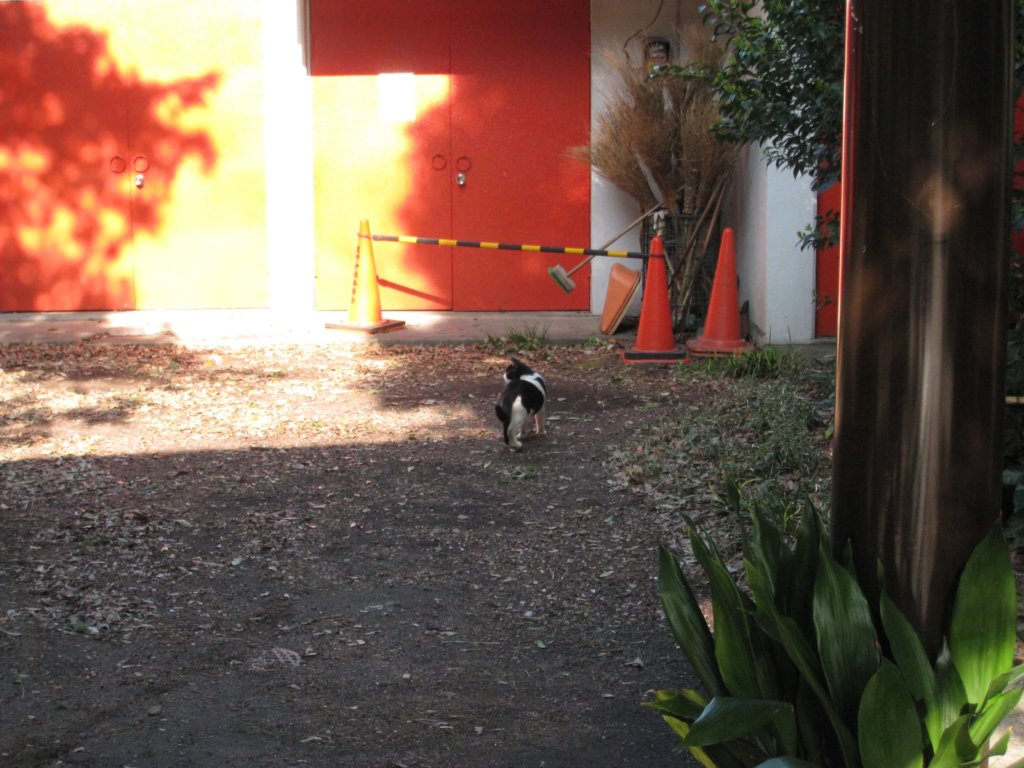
{"x":564,"y":278}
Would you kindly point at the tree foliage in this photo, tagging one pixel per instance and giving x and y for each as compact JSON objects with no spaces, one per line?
{"x":782,"y":85}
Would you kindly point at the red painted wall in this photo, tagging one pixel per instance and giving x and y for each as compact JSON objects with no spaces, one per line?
{"x":826,"y":299}
{"x":131,"y":162}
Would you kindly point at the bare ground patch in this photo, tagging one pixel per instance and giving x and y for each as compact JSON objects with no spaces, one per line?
{"x":324,"y":556}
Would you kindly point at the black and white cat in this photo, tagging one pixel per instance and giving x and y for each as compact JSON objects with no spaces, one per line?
{"x":523,"y":397}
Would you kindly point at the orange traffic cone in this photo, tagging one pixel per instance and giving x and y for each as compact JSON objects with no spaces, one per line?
{"x":722,"y":327}
{"x":655,"y":342}
{"x":364,"y":310}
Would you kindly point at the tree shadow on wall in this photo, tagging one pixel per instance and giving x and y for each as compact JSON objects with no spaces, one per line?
{"x":75,"y":129}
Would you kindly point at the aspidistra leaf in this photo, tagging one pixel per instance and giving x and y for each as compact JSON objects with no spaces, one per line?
{"x":992,"y":714}
{"x":801,"y":654}
{"x":910,"y":657}
{"x":951,"y":695}
{"x":682,"y":730}
{"x":803,"y":564}
{"x":982,"y":634}
{"x":889,"y":732}
{"x":1001,"y":682}
{"x":908,"y":651}
{"x":1000,"y":747}
{"x":677,"y":704}
{"x":734,"y":650}
{"x":687,"y":622}
{"x":845,"y":632}
{"x":955,"y":746}
{"x":726,"y":719}
{"x":766,"y":548}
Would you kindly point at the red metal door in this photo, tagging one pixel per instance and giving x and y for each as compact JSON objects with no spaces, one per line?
{"x":382,"y":146}
{"x":65,"y":231}
{"x":408,"y":96}
{"x":520,"y":99}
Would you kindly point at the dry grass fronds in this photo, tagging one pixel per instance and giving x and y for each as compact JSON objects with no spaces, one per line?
{"x":661,"y":127}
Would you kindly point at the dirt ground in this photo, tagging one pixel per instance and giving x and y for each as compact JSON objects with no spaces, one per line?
{"x":325,"y":556}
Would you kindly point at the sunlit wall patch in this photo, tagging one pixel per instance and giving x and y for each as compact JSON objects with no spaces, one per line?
{"x":397,"y":92}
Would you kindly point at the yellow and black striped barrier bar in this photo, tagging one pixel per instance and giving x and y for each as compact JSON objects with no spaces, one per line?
{"x":506,"y":246}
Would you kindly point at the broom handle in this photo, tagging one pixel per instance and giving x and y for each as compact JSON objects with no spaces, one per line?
{"x":635,"y":221}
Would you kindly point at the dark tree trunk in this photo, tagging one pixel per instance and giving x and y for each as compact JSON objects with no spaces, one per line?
{"x":924,"y":244}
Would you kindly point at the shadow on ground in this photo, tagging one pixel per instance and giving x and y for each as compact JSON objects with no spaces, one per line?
{"x":415,"y":597}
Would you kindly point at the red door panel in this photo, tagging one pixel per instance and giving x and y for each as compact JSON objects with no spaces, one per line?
{"x":199,"y":218}
{"x":65,"y":229}
{"x":521,"y":98}
{"x":367,"y":38}
{"x":382,"y":145}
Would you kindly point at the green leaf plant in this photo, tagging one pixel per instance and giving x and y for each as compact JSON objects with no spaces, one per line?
{"x":801,"y":672}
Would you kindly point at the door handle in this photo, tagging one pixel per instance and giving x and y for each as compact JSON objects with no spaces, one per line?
{"x":462,"y":165}
{"x":140,"y":165}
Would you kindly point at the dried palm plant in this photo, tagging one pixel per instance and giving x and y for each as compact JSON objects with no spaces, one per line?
{"x":654,"y":142}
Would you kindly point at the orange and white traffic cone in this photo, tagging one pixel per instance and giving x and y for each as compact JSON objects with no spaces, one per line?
{"x":655,"y":342}
{"x":364,"y":313}
{"x":722,"y":327}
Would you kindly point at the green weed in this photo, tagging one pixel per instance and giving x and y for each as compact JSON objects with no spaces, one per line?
{"x":757,"y":363}
{"x":759,"y":435}
{"x":529,"y":339}
{"x":518,"y":473}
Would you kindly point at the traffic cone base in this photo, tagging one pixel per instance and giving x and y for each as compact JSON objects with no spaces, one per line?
{"x":675,"y":355}
{"x":721,"y":334}
{"x":364,"y":310}
{"x":655,"y":342}
{"x":706,"y":347}
{"x":382,"y":327}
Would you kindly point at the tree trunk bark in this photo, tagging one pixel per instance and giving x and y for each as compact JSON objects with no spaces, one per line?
{"x":923,"y":250}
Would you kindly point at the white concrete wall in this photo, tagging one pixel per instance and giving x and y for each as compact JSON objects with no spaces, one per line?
{"x":288,"y":146}
{"x":768,"y":208}
{"x":787,"y":316}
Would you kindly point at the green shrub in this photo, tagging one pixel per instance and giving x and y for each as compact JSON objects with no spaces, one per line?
{"x":801,"y":670}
